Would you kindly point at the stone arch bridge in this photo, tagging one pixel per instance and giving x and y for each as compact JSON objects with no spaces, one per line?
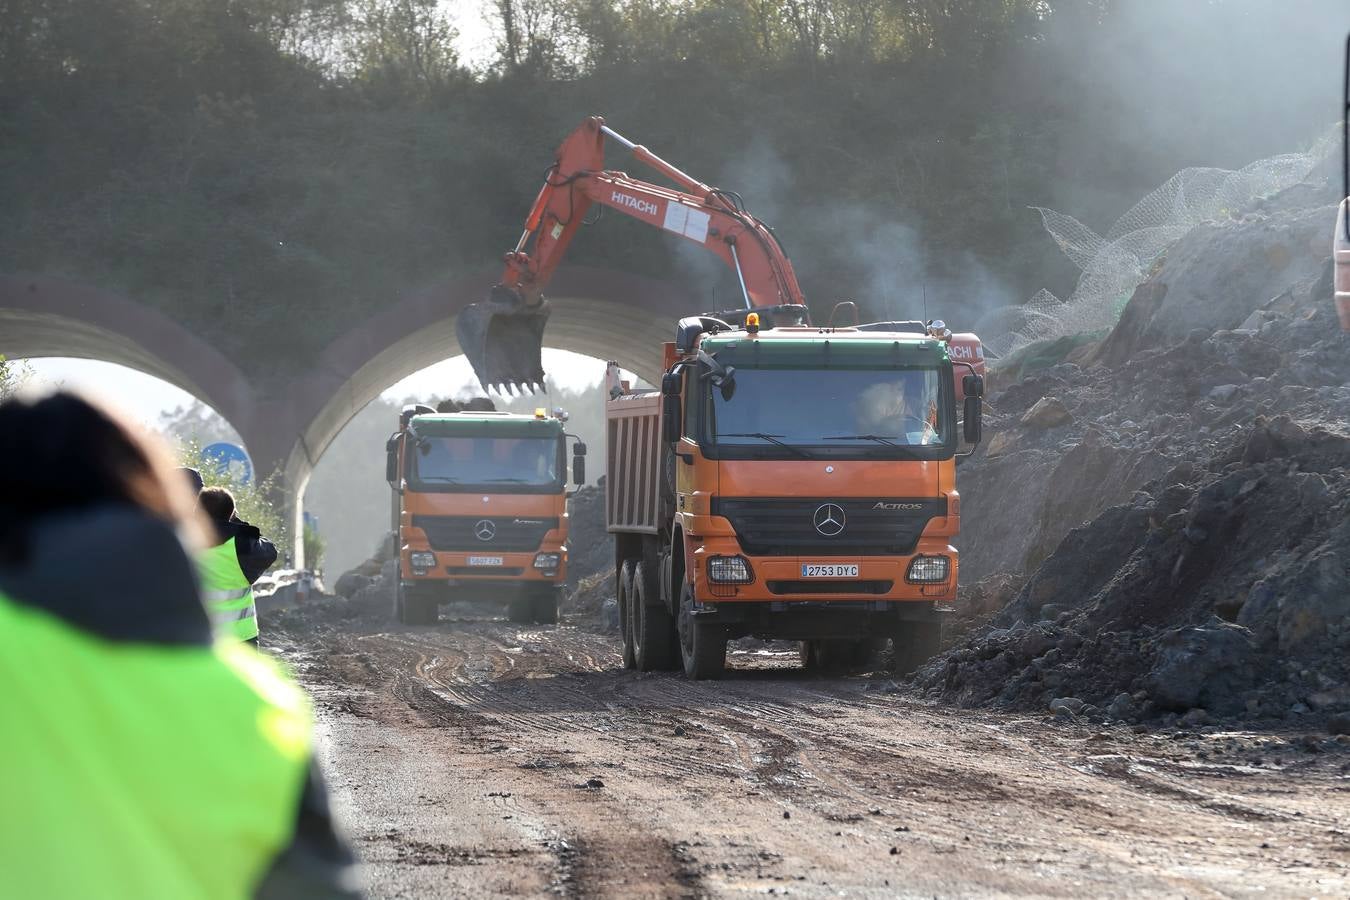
{"x":287,"y":423}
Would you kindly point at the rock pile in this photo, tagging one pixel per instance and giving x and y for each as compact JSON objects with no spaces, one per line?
{"x":1167,"y":512}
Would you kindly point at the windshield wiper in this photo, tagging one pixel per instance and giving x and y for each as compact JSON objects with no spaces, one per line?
{"x":445,"y":478}
{"x":505,"y":481}
{"x":888,"y":440}
{"x":879,"y":438}
{"x":771,"y":438}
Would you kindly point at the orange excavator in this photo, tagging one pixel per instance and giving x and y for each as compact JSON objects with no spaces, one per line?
{"x":503,"y":335}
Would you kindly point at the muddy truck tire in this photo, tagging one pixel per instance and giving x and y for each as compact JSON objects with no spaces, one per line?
{"x":544,"y":605}
{"x":651,"y":628}
{"x":913,"y":644}
{"x":703,"y":644}
{"x":416,"y":604}
{"x":624,"y":591}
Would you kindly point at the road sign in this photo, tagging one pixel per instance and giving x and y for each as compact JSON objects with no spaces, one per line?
{"x":230,"y":459}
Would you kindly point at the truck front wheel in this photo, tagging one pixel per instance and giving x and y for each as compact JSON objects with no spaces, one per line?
{"x":703,"y":645}
{"x":914,"y":643}
{"x":546,"y":605}
{"x":624,"y":597}
{"x":650,"y":626}
{"x":417,"y":604}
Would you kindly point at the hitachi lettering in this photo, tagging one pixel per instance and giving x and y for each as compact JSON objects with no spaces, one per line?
{"x":642,"y":206}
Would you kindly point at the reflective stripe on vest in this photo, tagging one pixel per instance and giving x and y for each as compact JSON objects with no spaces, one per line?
{"x":227,"y":594}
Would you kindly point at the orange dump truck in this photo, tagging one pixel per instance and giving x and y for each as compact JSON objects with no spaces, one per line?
{"x":790,"y":483}
{"x":480,"y":507}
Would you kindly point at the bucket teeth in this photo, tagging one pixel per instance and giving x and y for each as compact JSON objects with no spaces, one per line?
{"x":503,"y":339}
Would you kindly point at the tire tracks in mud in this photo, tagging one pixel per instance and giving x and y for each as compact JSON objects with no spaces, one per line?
{"x":597,"y":847}
{"x":539,"y":709}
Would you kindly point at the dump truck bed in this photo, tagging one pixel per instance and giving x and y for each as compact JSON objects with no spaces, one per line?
{"x":633,"y":431}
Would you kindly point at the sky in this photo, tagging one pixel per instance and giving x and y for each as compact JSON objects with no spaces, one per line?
{"x":145,"y":396}
{"x":476,"y":37}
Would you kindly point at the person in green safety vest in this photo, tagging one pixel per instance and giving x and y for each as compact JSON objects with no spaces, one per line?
{"x":140,"y":757}
{"x":238,"y":556}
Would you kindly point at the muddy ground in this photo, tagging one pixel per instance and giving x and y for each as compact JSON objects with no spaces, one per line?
{"x":480,"y":758}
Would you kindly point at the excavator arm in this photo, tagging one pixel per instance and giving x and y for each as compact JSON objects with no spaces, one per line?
{"x":503,"y":335}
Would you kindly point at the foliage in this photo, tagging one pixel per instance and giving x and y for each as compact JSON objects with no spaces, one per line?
{"x":287,"y":166}
{"x":315,"y":546}
{"x":14,"y":374}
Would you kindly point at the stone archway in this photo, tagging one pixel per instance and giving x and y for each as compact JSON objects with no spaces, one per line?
{"x":42,"y":316}
{"x":288,"y":422}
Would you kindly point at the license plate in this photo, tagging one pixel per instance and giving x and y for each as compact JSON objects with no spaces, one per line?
{"x":485,"y":560}
{"x":813,"y":570}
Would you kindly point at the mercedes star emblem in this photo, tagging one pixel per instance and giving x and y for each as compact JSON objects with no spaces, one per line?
{"x":484,"y":530}
{"x":829,"y":519}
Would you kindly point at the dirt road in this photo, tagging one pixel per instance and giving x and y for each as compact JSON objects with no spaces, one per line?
{"x":478,"y":758}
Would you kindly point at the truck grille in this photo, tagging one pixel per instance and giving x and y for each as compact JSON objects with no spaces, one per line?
{"x":787,"y":526}
{"x":782,"y":588}
{"x":509,"y":534}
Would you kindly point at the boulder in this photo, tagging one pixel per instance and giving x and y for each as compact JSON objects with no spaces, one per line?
{"x":1201,"y":666}
{"x":350,"y":583}
{"x":1047,"y":412}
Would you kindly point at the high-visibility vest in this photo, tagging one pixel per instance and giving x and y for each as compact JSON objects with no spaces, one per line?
{"x":226,"y":592}
{"x":134,"y":770}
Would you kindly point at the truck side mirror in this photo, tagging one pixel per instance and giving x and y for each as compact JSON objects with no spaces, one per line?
{"x":670,"y":418}
{"x":578,"y":463}
{"x":670,"y":384}
{"x":973,"y":385}
{"x":391,"y":461}
{"x":971,"y":413}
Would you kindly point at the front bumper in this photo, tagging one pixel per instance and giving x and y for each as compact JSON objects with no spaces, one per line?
{"x":880,"y":580}
{"x":470,"y":568}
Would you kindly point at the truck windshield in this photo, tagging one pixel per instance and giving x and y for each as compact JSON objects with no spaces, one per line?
{"x":480,"y":463}
{"x":833,"y":412}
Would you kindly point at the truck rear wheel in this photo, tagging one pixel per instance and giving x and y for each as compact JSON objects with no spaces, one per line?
{"x":703,"y":645}
{"x":624,"y":598}
{"x":914,"y":643}
{"x":417,"y":604}
{"x":834,"y":655}
{"x":650,"y":626}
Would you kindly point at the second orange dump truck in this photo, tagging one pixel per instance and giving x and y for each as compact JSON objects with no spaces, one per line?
{"x":480,"y":506}
{"x":789,"y":483}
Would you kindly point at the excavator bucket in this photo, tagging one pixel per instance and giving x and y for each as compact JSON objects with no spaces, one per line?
{"x":503,"y":337}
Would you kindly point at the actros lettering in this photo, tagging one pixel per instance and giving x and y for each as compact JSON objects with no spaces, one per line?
{"x":642,"y":206}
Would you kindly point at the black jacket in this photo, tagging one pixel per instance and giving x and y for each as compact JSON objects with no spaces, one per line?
{"x":256,"y":554}
{"x":125,"y":554}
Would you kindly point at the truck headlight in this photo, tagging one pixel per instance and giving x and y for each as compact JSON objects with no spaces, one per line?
{"x":422,"y":561}
{"x":547,"y":561}
{"x":729,"y":570}
{"x":928,"y":570}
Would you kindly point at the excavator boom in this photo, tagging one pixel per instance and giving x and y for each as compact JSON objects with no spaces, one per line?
{"x":503,"y":335}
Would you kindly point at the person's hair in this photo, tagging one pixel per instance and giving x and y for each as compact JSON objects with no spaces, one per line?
{"x":447,"y":406}
{"x":218,"y":503}
{"x":63,"y":453}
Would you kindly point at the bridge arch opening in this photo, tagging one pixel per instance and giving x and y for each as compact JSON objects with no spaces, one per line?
{"x":346,"y":492}
{"x":157,"y":404}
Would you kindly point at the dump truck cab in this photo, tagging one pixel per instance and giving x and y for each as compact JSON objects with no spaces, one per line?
{"x":807,"y":491}
{"x":480,"y":510}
